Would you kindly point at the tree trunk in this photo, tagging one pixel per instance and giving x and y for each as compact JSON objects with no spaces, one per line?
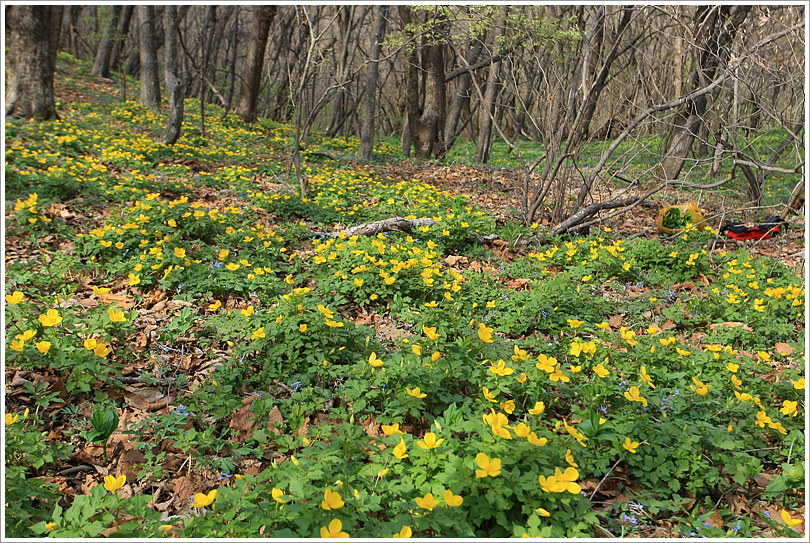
{"x":426,"y":128}
{"x":369,"y":106}
{"x":252,"y":78}
{"x":29,"y":88}
{"x":462,"y":97}
{"x":174,"y":85}
{"x":150,"y":84}
{"x":121,"y":37}
{"x":715,"y":28}
{"x":101,"y":66}
{"x":484,"y":144}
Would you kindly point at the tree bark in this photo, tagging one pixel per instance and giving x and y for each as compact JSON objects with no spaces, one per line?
{"x":252,"y":78}
{"x":121,"y":36}
{"x":484,"y":144}
{"x":29,"y":89}
{"x":426,"y":128}
{"x":101,"y":66}
{"x":150,"y":84}
{"x":369,"y":104}
{"x":174,"y":85}
{"x":716,"y":28}
{"x":461,"y":98}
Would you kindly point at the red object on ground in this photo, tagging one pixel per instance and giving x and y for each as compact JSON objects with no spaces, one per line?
{"x":741,"y":232}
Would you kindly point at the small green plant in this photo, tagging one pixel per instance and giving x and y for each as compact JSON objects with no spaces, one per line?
{"x":104,"y":422}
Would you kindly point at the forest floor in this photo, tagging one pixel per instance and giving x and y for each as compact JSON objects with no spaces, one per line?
{"x":262,"y":378}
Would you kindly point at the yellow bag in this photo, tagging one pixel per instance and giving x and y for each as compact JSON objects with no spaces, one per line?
{"x":697,"y":218}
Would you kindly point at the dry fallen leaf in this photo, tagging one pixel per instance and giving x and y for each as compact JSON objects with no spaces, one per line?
{"x":784,"y":349}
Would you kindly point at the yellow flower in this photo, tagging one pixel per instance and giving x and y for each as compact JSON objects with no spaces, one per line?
{"x":331,"y":500}
{"x":404,"y":533}
{"x":789,"y":408}
{"x":374,"y":361}
{"x":521,"y":430}
{"x":90,"y":343}
{"x":501,"y":369}
{"x":534,"y":440}
{"x":215,"y":306}
{"x":116,"y":316}
{"x":400,"y":450}
{"x":508,"y":406}
{"x":489,"y":468}
{"x":259,"y":333}
{"x":652,"y":330}
{"x":452,"y":500}
{"x":702,"y":388}
{"x":302,"y":328}
{"x":569,"y":457}
{"x":430,"y":332}
{"x":247,"y":312}
{"x":546,"y":363}
{"x":736,"y":381}
{"x":573,"y":323}
{"x":604,"y":325}
{"x":15,"y":297}
{"x":334,"y":530}
{"x":114,"y":483}
{"x":415,"y":392}
{"x":630,"y":445}
{"x":134,"y":279}
{"x":762,"y":419}
{"x":645,"y":377}
{"x":579,"y":436}
{"x":764,"y":356}
{"x":231,"y":266}
{"x":358,"y":282}
{"x":634,"y":396}
{"x":601,"y":371}
{"x":799,"y":384}
{"x":484,"y":333}
{"x":51,"y":318}
{"x":522,"y":378}
{"x":542,"y":512}
{"x":558,"y":375}
{"x":538,"y":408}
{"x":682,"y":352}
{"x":391,"y":429}
{"x":732,"y":367}
{"x":428,"y":502}
{"x":101,"y":350}
{"x":790,"y":521}
{"x":277,"y":494}
{"x":11,"y":418}
{"x":51,"y":525}
{"x":43,"y":346}
{"x":100,"y":291}
{"x":417,"y":350}
{"x":435,"y":356}
{"x":179,"y":252}
{"x":223,"y":254}
{"x":201,"y":500}
{"x":430,"y":441}
{"x":488,"y":395}
{"x":561,"y":481}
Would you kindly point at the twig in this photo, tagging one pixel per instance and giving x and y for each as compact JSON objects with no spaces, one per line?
{"x":282,"y":385}
{"x":75,"y":469}
{"x":603,"y":478}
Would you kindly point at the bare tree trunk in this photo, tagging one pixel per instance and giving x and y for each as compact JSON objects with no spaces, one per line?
{"x":484,"y":144}
{"x":150,"y":85}
{"x":367,"y":132}
{"x":716,"y":26}
{"x":121,"y":37}
{"x":252,"y":75}
{"x":174,"y":85}
{"x":101,"y":66}
{"x":426,"y":128}
{"x":461,"y":98}
{"x":29,"y":89}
